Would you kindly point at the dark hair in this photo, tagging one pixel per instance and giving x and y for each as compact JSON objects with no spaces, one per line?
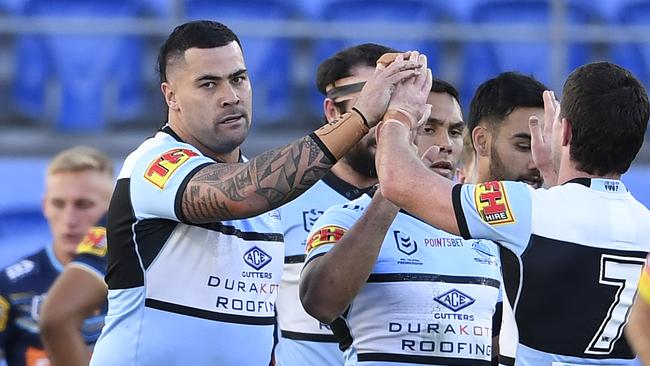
{"x":441,"y":86}
{"x":496,"y":98}
{"x":341,"y":64}
{"x":608,"y":110}
{"x":199,"y":34}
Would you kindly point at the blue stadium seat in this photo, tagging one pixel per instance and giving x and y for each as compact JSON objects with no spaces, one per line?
{"x":268,"y":60}
{"x":86,"y":67}
{"x":23,"y":228}
{"x":483,"y":60}
{"x":634,"y":56}
{"x":413,"y":12}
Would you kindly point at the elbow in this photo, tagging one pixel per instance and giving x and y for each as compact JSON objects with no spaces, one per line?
{"x":321,"y":312}
{"x":317,"y":305}
{"x":50,"y":322}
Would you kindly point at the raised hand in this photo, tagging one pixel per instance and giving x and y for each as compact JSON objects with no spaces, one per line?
{"x":410,"y":96}
{"x":376,"y":93}
{"x":540,"y":138}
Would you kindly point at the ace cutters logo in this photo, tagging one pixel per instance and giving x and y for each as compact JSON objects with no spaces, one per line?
{"x":257,"y":258}
{"x":454,"y":300}
{"x":404,"y":243}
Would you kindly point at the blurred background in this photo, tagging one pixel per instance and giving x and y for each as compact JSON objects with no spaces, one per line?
{"x":83,"y":71}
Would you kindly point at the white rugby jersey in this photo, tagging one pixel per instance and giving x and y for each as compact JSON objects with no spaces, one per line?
{"x":430,"y":298}
{"x":303,"y":340}
{"x":183,"y":294}
{"x":577,"y":252}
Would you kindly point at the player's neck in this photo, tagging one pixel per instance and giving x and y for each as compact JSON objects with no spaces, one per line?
{"x":568,"y":171}
{"x":351,"y":176}
{"x":62,"y":255}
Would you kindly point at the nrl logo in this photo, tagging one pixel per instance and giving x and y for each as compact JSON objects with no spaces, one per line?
{"x":309,"y":218}
{"x":404,"y":243}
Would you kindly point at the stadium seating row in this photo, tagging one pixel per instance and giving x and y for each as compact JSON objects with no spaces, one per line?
{"x":100,"y":78}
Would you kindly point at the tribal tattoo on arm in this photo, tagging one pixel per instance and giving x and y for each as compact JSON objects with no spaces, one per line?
{"x":230,"y":191}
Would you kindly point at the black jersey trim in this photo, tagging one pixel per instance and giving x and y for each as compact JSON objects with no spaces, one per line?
{"x":424,"y":360}
{"x":150,"y":236}
{"x":584,"y":181}
{"x":507,"y":361}
{"x":208,"y":315}
{"x":178,"y":199}
{"x":297,"y":336}
{"x":124,"y":269}
{"x":299,"y":258}
{"x":243,"y":235}
{"x":458,"y":210}
{"x":344,"y":188}
{"x":168,"y":130}
{"x":341,"y":331}
{"x":496,"y":319}
{"x":314,"y":257}
{"x":432,"y":277}
{"x":322,"y":146}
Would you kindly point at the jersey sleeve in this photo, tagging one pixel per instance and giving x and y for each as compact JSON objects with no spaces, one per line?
{"x":330,"y":228}
{"x":497,"y":211}
{"x":159,"y":178}
{"x":91,"y":252}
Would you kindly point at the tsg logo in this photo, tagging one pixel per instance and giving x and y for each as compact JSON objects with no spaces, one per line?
{"x":454,"y":300}
{"x":256,"y":258}
{"x":404,"y":243}
{"x":309,"y":218}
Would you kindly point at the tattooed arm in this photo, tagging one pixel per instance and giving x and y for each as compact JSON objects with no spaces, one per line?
{"x":230,"y":191}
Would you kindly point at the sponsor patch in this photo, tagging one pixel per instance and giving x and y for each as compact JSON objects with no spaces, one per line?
{"x":257,"y":258}
{"x":94,"y":242}
{"x":454,"y":300}
{"x":162,"y":168}
{"x":492,"y":203}
{"x":4,"y":313}
{"x":325,"y":235}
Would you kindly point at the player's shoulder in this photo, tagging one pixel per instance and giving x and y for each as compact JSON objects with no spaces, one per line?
{"x":162,"y":147}
{"x":22,"y":269}
{"x":352,"y":208}
{"x":94,"y":243}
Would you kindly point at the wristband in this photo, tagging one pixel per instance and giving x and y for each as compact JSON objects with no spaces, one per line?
{"x":339,"y":136}
{"x":644,"y":285}
{"x":401,"y":116}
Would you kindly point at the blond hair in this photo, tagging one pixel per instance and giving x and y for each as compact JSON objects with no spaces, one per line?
{"x":81,"y":158}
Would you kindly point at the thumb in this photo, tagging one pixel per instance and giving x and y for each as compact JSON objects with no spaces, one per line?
{"x":430,"y":155}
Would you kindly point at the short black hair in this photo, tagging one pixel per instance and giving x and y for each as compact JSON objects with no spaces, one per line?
{"x":341,"y":64}
{"x":441,"y":86}
{"x":608,"y":110}
{"x":496,"y":98}
{"x":199,"y":34}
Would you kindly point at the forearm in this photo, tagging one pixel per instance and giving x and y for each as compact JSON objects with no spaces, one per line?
{"x":637,"y":330}
{"x":231,"y":191}
{"x":331,"y":282}
{"x":65,"y":345}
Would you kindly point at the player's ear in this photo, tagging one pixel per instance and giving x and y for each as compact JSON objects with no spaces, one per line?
{"x":330,"y":110}
{"x":566,"y":132}
{"x":170,"y":95}
{"x":481,"y":140}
